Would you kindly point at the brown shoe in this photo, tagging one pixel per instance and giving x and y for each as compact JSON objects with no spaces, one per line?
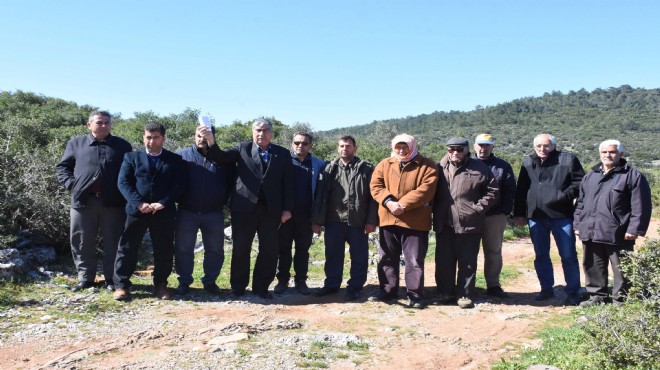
{"x":161,"y":291}
{"x":121,"y":294}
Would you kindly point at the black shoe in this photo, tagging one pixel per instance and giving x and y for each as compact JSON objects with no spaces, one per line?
{"x":265,"y":295}
{"x":497,"y":292}
{"x":544,"y":294}
{"x":212,"y":288}
{"x":415,"y":302}
{"x":183,"y":289}
{"x":302,"y":288}
{"x":109,"y":287}
{"x":352,"y":294}
{"x":82,"y":285}
{"x":237,"y":293}
{"x":382,"y":297}
{"x":281,"y":286}
{"x":573,"y":299}
{"x":325,"y":291}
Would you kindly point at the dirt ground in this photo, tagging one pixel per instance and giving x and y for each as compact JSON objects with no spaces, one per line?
{"x":190,"y":333}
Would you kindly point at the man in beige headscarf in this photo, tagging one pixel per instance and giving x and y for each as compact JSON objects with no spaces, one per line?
{"x":404,"y":186}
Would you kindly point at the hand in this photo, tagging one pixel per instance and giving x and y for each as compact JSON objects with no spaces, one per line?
{"x":576,"y":232}
{"x":520,"y":221}
{"x":316,"y":229}
{"x":630,"y":237}
{"x":156,"y":207}
{"x":208,"y":135}
{"x":369,"y":228}
{"x":395,"y":207}
{"x":286,"y":216}
{"x":144,"y":208}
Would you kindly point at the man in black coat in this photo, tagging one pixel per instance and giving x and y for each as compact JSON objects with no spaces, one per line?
{"x":262,"y":200}
{"x":89,"y":169}
{"x":613,"y":209}
{"x":151,"y":180}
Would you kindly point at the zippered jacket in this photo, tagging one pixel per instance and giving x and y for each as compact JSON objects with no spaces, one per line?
{"x":208,"y":184}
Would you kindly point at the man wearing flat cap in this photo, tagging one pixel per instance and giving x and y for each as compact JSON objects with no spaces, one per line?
{"x":466,"y":190}
{"x":496,"y":217}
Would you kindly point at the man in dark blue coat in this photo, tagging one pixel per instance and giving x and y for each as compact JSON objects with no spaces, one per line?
{"x":89,"y":169}
{"x":262,"y":200}
{"x":613,"y":209}
{"x":151,"y":180}
{"x":208,"y":187}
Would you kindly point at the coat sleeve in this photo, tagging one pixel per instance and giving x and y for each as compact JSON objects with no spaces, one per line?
{"x":227,"y":157}
{"x":64,"y":168}
{"x":288,"y":186}
{"x":425,"y":190}
{"x":320,"y":198}
{"x":577,"y":173}
{"x":377,"y":184}
{"x":508,"y":190}
{"x":372,"y":214}
{"x":127,"y":182}
{"x":579,"y":204}
{"x":490,"y":191}
{"x":640,"y":206}
{"x":178,"y":184}
{"x":520,"y":203}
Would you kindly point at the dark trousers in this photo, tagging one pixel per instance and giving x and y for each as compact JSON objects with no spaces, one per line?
{"x":595,"y":260}
{"x":414,"y":244}
{"x":211,"y":225}
{"x":298,"y":230}
{"x":244,"y":226}
{"x":161,"y":229}
{"x":337,"y":234}
{"x":452,"y":249}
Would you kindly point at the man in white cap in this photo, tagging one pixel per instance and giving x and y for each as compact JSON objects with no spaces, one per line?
{"x":496,"y":217}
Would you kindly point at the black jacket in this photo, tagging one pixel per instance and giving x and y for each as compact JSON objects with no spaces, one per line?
{"x":84,"y":160}
{"x":613,"y":204}
{"x":274,"y":184}
{"x":506,"y":181}
{"x":208,"y":185}
{"x":548,"y":189}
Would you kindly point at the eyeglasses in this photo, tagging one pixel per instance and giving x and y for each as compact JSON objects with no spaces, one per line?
{"x":303,"y":143}
{"x":455,"y":149}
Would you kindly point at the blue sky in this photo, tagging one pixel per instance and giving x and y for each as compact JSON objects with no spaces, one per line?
{"x":328,"y":63}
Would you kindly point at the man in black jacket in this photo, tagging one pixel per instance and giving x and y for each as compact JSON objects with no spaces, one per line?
{"x":613,"y":209}
{"x":261,"y":202}
{"x":208,"y":186}
{"x":89,"y":169}
{"x":151,"y":180}
{"x":548,"y":184}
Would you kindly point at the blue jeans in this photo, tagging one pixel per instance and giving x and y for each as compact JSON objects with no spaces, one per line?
{"x":336,"y":236}
{"x":562,"y":231}
{"x":212,"y":226}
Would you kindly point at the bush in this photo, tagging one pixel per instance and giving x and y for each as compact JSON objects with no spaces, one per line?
{"x":629,"y":336}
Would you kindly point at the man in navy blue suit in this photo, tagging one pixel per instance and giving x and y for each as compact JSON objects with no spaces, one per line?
{"x":261,"y":201}
{"x":151,"y":180}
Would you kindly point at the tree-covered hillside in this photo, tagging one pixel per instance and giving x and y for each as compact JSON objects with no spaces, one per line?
{"x":579,"y":119}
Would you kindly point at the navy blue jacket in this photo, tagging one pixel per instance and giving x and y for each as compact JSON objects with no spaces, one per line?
{"x":506,"y":180}
{"x":138,"y":185}
{"x":84,"y":160}
{"x":613,"y":204}
{"x":274,"y":184}
{"x":208,"y":185}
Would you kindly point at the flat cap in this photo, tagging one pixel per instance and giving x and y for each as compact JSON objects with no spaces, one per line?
{"x":457,"y":141}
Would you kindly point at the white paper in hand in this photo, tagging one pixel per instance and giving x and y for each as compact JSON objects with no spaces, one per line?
{"x":204,"y":121}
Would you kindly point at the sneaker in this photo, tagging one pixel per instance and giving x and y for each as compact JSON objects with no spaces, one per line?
{"x":497,"y":292}
{"x":302,"y":288}
{"x":82,"y":286}
{"x":351,"y":294}
{"x":544,"y":294}
{"x":415,"y":302}
{"x":592,"y":301}
{"x":325,"y":291}
{"x":121,"y":294}
{"x":465,"y":302}
{"x":161,"y":291}
{"x":212,"y":288}
{"x":382,"y":297}
{"x":183,"y":289}
{"x":281,"y":286}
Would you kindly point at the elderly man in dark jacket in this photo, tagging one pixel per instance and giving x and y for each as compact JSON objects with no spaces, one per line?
{"x":466,"y":191}
{"x":548,"y":184}
{"x":613,"y":209}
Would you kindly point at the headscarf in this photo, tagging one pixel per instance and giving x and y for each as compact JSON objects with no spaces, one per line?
{"x":412,"y":147}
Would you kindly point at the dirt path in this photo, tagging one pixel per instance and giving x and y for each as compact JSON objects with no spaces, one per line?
{"x":296,"y":331}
